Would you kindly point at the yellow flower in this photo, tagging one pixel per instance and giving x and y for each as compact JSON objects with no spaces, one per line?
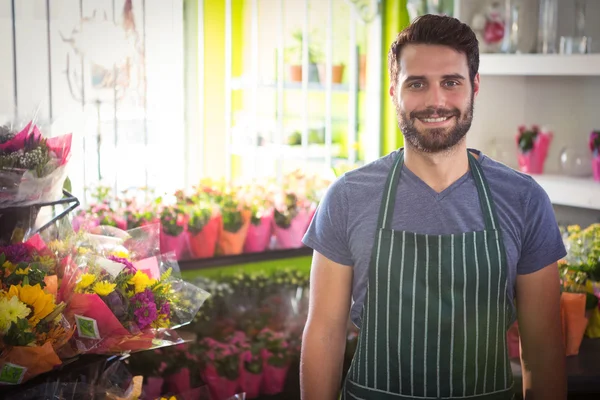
{"x":161,"y":322}
{"x":10,"y":311}
{"x":104,"y":288}
{"x":141,"y":281}
{"x":47,"y":261}
{"x":35,"y":297}
{"x":10,"y":267}
{"x":121,"y":254}
{"x":21,"y":271}
{"x":85,"y":281}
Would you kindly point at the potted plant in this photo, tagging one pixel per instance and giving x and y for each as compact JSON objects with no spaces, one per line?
{"x":234,"y":225}
{"x":533,"y":144}
{"x":595,"y":148}
{"x":293,"y":56}
{"x":172,"y":237}
{"x":259,"y":233}
{"x":337,"y":72}
{"x":202,"y":229}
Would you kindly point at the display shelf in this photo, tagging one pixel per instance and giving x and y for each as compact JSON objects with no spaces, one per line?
{"x":222,"y":261}
{"x":573,"y":192}
{"x":540,"y":64}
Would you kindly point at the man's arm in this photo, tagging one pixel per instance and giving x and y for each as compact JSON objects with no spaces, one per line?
{"x":324,"y":338}
{"x":540,"y":328}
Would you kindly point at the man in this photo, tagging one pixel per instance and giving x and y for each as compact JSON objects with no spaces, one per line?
{"x":431,"y":248}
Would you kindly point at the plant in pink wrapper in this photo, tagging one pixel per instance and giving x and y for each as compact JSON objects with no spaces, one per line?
{"x":251,"y":363}
{"x":595,"y":149}
{"x":172,"y":235}
{"x":220,"y":367}
{"x":276,"y":360}
{"x":202,"y":229}
{"x":533,"y":145}
{"x":259,"y":233}
{"x":291,"y":218}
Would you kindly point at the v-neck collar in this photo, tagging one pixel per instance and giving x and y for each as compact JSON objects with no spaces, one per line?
{"x":444,"y":193}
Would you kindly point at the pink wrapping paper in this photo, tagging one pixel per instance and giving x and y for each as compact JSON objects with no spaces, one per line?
{"x":259,"y":236}
{"x":250,"y":384}
{"x":291,"y":238}
{"x":176,"y":244}
{"x":152,"y":387}
{"x":180,"y":381}
{"x":114,"y":337}
{"x":203,"y":245}
{"x":512,"y":337}
{"x":532,"y":162}
{"x":220,"y":387}
{"x":273,"y":377}
{"x":596,"y":168}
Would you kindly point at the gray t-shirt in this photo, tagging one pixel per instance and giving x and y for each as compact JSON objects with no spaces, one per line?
{"x":343,"y":228}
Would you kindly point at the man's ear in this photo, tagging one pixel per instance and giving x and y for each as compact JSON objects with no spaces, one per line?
{"x":476,"y":82}
{"x":392,"y":90}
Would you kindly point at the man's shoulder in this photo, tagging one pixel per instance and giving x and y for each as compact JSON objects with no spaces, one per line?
{"x":371,"y":173}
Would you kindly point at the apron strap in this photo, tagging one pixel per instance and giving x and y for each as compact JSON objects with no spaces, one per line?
{"x":388,"y":200}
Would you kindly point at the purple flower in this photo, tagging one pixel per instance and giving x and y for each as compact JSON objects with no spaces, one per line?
{"x":145,"y":308}
{"x":15,"y":253}
{"x":115,"y":303}
{"x":165,"y":309}
{"x":128,"y":265}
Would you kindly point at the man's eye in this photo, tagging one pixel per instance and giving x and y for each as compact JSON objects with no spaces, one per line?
{"x":451,"y":83}
{"x":416,"y":85}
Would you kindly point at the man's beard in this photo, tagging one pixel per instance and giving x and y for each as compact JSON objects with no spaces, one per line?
{"x":435,"y":140}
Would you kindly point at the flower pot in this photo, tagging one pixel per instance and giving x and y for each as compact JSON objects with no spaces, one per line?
{"x":532,"y":161}
{"x":232,"y":243}
{"x":250,"y":383}
{"x":203,"y":244}
{"x":295,"y":73}
{"x":291,"y":237}
{"x":574,"y":320}
{"x":176,"y":244}
{"x":259,"y":236}
{"x":274,"y":379}
{"x":362,"y":71}
{"x":337,"y":73}
{"x":596,"y":168}
{"x":180,"y":381}
{"x":152,"y":388}
{"x":220,"y":387}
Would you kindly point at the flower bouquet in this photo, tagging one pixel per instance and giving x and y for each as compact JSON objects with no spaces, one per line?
{"x":172,"y":235}
{"x":32,"y":168}
{"x":533,"y":145}
{"x":290,"y":221}
{"x":594,"y":144}
{"x":32,"y":325}
{"x":120,"y":302}
{"x":202,"y":229}
{"x":234,"y":226}
{"x":276,"y":360}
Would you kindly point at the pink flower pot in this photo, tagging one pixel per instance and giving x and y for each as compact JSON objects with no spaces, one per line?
{"x":152,"y":387}
{"x":291,"y":237}
{"x":532,"y":161}
{"x":274,"y":379}
{"x":176,"y":244}
{"x":180,"y":381}
{"x":250,"y":383}
{"x":220,"y":387}
{"x":596,"y":168}
{"x":203,"y":245}
{"x":259,"y":236}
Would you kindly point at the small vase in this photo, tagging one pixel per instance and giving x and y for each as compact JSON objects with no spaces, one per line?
{"x":596,"y":167}
{"x":532,"y":161}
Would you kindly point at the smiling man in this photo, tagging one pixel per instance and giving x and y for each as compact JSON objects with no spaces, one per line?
{"x":431,"y":248}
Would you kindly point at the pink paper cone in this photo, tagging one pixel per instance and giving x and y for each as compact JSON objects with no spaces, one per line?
{"x":176,"y":244}
{"x":180,"y":381}
{"x":259,"y":236}
{"x":596,"y":168}
{"x":532,"y":162}
{"x":220,"y":387}
{"x":250,"y":383}
{"x":274,"y":379}
{"x":291,"y":238}
{"x":203,"y":244}
{"x":152,"y":388}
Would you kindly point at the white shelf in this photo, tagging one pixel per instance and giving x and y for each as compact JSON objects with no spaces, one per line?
{"x":540,"y":64}
{"x":574,"y":192}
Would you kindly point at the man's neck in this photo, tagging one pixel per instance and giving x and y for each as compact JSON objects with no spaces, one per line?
{"x":438,"y":170}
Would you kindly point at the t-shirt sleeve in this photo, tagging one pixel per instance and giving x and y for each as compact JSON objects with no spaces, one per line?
{"x":542,"y":241}
{"x":327,"y":232}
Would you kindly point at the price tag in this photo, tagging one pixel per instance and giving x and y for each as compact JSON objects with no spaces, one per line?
{"x":87,"y":327}
{"x":12,"y":374}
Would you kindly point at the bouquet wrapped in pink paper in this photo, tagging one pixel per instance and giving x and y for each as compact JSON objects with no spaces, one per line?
{"x":32,"y":168}
{"x":259,"y":233}
{"x":123,"y":297}
{"x":533,"y":145}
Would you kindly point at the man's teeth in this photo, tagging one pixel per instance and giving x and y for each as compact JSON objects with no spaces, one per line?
{"x":435,"y":119}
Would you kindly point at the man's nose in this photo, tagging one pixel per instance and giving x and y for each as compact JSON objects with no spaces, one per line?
{"x":436,"y":97}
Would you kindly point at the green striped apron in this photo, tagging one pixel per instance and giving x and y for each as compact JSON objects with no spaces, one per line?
{"x":436,"y":311}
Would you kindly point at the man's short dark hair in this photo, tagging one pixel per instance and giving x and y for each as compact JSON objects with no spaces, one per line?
{"x":436,"y":30}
